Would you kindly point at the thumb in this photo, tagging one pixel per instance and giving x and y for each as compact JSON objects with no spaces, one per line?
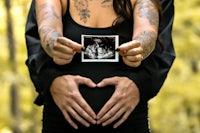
{"x":129,"y":45}
{"x":85,"y":81}
{"x":69,"y":43}
{"x":107,"y":81}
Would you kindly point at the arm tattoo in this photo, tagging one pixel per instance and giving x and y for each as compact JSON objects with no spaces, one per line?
{"x":49,"y":37}
{"x":148,"y":40}
{"x":146,"y":9}
{"x":46,"y":17}
{"x":47,"y":11}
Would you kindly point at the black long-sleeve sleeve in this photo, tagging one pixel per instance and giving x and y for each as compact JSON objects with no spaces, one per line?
{"x":149,"y":78}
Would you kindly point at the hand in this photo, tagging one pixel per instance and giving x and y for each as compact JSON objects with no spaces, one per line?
{"x":131,"y":53}
{"x":64,"y":50}
{"x":65,"y":92}
{"x":121,"y":104}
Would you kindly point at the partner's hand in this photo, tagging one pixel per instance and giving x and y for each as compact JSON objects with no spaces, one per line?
{"x":132,"y":53}
{"x":64,"y":50}
{"x":121,"y":104}
{"x":65,"y":92}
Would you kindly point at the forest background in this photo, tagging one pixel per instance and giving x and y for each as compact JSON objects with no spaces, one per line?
{"x":176,"y":108}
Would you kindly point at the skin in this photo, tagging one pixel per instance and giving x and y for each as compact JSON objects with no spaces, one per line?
{"x":64,"y":89}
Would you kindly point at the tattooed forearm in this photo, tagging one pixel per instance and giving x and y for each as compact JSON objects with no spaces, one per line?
{"x":48,"y":19}
{"x":46,"y":12}
{"x":48,"y":39}
{"x":146,"y":9}
{"x":148,"y":40}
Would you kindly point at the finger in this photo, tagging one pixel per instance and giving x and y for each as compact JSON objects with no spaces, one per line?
{"x":80,"y":100}
{"x":134,"y":51}
{"x":85,"y":81}
{"x":110,"y":103}
{"x":74,"y":45}
{"x":129,"y":45}
{"x":60,"y":61}
{"x":85,"y":106}
{"x":108,"y":117}
{"x":116,"y":116}
{"x":76,"y":116}
{"x":131,"y":63}
{"x":61,"y":48}
{"x":84,"y":114}
{"x":69,"y":120}
{"x":122,"y":119}
{"x":60,"y":55}
{"x":107,"y":81}
{"x":136,"y":58}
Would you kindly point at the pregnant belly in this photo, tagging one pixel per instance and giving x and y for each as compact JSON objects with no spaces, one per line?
{"x":96,"y":97}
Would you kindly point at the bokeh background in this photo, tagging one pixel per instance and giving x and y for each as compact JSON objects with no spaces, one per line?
{"x":176,"y":108}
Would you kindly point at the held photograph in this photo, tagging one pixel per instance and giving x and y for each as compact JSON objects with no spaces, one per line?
{"x":100,"y":48}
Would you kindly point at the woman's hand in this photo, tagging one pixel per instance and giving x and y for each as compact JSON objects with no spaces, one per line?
{"x":50,"y":28}
{"x":132,"y":53}
{"x":121,"y":104}
{"x":65,"y":92}
{"x":64,"y":50}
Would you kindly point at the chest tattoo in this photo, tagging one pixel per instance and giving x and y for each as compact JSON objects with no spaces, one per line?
{"x":82,"y":7}
{"x":104,"y":1}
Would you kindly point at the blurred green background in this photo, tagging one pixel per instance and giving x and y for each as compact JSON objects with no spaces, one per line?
{"x":176,"y":108}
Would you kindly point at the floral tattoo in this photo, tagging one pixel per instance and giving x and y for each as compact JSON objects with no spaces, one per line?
{"x":82,"y":7}
{"x":44,"y":9}
{"x":49,"y":38}
{"x":146,"y":9}
{"x":147,"y":38}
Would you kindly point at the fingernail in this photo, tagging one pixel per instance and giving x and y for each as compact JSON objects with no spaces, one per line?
{"x":87,"y":125}
{"x":117,"y":49}
{"x":94,"y":122}
{"x":114,"y":126}
{"x":83,"y":49}
{"x":98,"y":122}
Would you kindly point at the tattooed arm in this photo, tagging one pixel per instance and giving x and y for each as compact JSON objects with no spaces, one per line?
{"x":146,"y":21}
{"x":145,"y":31}
{"x":50,"y":28}
{"x":49,"y":20}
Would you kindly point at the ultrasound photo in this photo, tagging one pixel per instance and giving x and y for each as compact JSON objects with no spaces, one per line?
{"x":100,"y":48}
